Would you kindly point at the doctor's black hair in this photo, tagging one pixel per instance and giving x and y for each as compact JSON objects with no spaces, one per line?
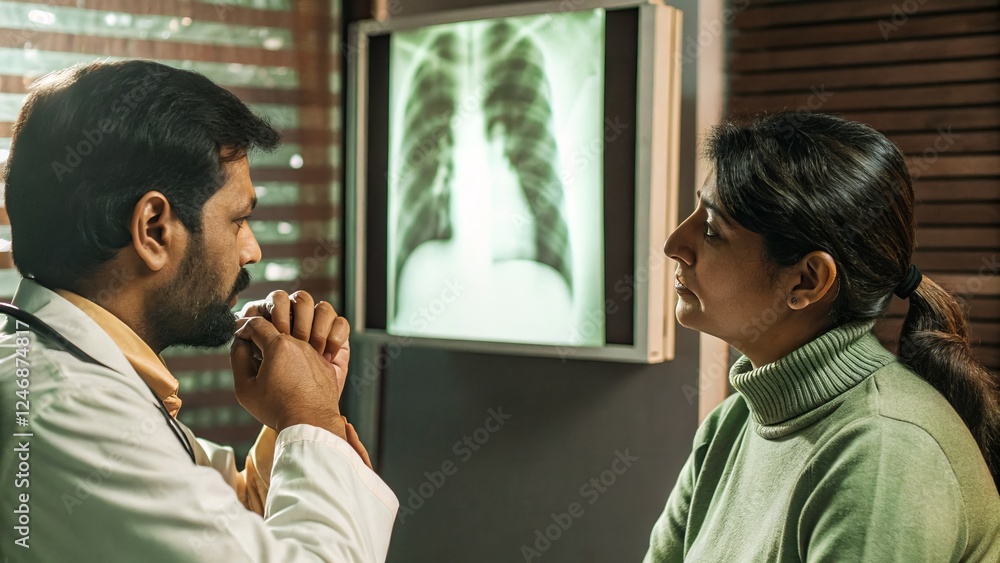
{"x":817,"y":182}
{"x":92,"y":139}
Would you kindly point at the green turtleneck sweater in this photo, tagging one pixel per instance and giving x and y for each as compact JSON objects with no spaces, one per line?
{"x":836,"y":452}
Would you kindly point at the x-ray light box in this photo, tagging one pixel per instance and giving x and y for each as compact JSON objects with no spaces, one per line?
{"x":511,"y":178}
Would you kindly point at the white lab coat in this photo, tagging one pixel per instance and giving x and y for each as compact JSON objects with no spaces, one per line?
{"x":108,"y":480}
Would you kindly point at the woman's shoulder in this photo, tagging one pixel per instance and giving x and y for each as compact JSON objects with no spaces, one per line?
{"x":903,"y":396}
{"x":909,"y":419}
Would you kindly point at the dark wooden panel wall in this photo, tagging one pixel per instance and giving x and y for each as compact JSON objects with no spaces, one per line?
{"x":926,"y":73}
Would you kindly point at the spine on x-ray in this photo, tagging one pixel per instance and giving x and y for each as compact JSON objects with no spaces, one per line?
{"x":519,"y":101}
{"x":427,"y":150}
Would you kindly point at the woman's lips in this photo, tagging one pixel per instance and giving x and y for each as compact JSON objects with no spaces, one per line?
{"x":681,"y":288}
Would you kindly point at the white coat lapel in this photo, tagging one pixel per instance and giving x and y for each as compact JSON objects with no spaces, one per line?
{"x":75,"y":325}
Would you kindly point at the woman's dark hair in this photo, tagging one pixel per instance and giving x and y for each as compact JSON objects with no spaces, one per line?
{"x":92,"y":139}
{"x":808,"y":182}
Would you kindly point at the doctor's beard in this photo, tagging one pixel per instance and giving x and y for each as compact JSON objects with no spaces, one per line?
{"x":189,"y":311}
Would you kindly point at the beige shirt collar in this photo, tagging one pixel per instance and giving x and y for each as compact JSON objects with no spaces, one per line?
{"x":148,"y":364}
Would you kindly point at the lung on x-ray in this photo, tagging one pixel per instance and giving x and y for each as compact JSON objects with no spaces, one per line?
{"x":495,"y":196}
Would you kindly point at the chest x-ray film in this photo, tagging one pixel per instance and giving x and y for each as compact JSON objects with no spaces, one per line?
{"x":495,"y":185}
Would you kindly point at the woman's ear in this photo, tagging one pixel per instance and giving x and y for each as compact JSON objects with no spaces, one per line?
{"x":156,"y":230}
{"x":811,"y":279}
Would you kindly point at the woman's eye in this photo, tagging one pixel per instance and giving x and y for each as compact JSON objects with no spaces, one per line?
{"x":710,"y":231}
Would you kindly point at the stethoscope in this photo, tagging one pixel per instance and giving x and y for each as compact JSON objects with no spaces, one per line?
{"x":40,"y":328}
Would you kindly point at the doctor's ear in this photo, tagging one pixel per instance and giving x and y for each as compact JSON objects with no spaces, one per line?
{"x":811,"y":280}
{"x":156,"y":230}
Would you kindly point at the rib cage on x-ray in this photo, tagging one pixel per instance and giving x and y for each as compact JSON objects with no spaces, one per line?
{"x":519,"y":101}
{"x":427,"y":151}
{"x":517,"y":107}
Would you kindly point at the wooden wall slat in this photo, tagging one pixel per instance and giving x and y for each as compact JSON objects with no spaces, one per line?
{"x":918,"y":26}
{"x":971,"y":190}
{"x":856,"y":55}
{"x":951,"y":261}
{"x":954,"y":238}
{"x":800,"y":13}
{"x":957,"y":141}
{"x":984,"y":281}
{"x":947,"y":165}
{"x":988,"y":355}
{"x":959,"y":214}
{"x":889,"y":75}
{"x":979,"y":308}
{"x":986,"y":117}
{"x":830,"y":100}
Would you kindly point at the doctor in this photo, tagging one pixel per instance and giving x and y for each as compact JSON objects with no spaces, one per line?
{"x":129,"y":194}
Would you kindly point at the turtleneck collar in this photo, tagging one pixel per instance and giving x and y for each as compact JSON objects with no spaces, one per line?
{"x":811,"y":375}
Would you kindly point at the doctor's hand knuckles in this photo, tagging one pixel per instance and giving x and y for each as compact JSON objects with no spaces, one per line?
{"x":318,"y":324}
{"x":301,"y":316}
{"x":293,"y":384}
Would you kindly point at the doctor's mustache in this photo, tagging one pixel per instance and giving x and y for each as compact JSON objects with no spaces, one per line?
{"x":243,"y":280}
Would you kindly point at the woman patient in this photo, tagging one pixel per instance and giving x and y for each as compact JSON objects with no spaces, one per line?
{"x":832,"y":448}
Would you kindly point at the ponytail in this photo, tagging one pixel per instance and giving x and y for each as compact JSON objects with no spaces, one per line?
{"x":935,"y":344}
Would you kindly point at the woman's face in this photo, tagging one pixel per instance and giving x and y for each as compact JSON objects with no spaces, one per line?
{"x":723,"y":279}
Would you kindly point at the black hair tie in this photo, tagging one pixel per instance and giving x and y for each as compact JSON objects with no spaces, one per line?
{"x":909,"y":284}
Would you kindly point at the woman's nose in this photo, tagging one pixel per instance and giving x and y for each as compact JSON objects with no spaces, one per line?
{"x":676,"y":246}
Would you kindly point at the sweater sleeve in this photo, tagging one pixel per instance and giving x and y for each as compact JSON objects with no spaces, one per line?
{"x":666,"y":542}
{"x":882,"y":490}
